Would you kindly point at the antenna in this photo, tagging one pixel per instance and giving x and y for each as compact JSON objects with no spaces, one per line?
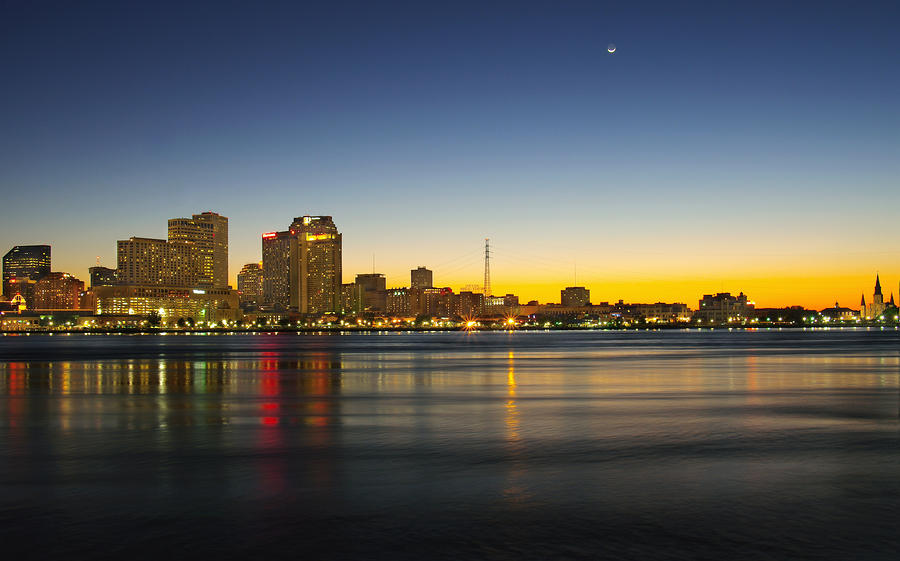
{"x":98,"y":260}
{"x":487,"y":267}
{"x":576,"y":274}
{"x":373,"y":262}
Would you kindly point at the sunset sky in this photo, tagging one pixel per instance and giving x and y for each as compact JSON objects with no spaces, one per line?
{"x":723,"y":147}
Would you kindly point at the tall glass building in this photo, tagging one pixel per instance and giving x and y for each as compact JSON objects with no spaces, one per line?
{"x":25,"y":261}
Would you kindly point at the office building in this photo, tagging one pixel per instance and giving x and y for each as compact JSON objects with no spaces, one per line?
{"x":352,"y":298}
{"x":276,"y":257}
{"x":208,"y":234}
{"x":250,"y":284}
{"x":471,"y":304}
{"x":421,"y":278}
{"x":575,"y":296}
{"x":57,"y":291}
{"x":154,"y":262}
{"x":103,"y":276}
{"x":374,"y":291}
{"x":24,"y":262}
{"x":397,"y":302}
{"x":315,"y":265}
{"x":171,"y":304}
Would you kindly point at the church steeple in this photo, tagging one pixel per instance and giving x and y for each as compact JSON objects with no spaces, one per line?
{"x":877,"y":285}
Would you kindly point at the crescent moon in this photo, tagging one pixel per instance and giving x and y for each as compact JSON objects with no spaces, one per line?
{"x":611,"y":48}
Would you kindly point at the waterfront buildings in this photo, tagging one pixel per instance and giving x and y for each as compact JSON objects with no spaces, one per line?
{"x":469,"y":304}
{"x":103,"y":276}
{"x":315,"y":266}
{"x":575,"y":296}
{"x":374,"y":291}
{"x":723,"y":308}
{"x":208,"y":234}
{"x":250,"y":284}
{"x":170,"y":304}
{"x":155,"y":262}
{"x":24,"y":262}
{"x":352,"y":298}
{"x":421,"y":278}
{"x":57,"y":291}
{"x":276,"y":258}
{"x":397,"y":302}
{"x":839,"y":313}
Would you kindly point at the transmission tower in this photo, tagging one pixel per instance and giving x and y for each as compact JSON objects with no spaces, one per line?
{"x":487,"y":267}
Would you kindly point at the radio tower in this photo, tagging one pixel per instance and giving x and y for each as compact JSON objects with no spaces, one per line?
{"x":487,"y":267}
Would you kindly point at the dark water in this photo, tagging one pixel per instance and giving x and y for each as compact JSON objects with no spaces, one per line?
{"x":660,"y":445}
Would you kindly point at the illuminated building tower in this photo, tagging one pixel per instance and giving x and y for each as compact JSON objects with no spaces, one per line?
{"x":575,"y":296}
{"x":315,"y":266}
{"x":421,"y":278}
{"x":250,"y":284}
{"x":24,"y":262}
{"x":374,"y":293}
{"x":276,"y":269}
{"x":876,"y":308}
{"x":103,"y":276}
{"x":58,"y":291}
{"x":352,"y":298}
{"x":208,"y":233}
{"x":153,"y":262}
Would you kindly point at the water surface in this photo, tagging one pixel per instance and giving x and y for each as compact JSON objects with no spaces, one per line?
{"x":525,"y":445}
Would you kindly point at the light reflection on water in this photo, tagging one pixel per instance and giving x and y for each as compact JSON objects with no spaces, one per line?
{"x":485,"y":445}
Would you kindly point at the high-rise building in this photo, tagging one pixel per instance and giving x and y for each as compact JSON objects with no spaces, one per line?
{"x":24,"y":261}
{"x":575,"y":296}
{"x":276,"y":269}
{"x":374,"y":293}
{"x":103,"y":276}
{"x":315,"y":266}
{"x":421,"y":278}
{"x":58,"y":291}
{"x":250,"y":284}
{"x":208,"y":233}
{"x":152,"y":262}
{"x":352,"y":298}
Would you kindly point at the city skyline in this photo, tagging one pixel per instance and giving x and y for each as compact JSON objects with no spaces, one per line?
{"x":465,"y":266}
{"x":720,"y":148}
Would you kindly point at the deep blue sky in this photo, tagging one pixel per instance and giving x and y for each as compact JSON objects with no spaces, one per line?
{"x":425,"y":127}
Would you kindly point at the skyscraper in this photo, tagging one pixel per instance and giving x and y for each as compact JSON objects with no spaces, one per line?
{"x":153,"y":262}
{"x":24,"y":261}
{"x":315,"y":265}
{"x":374,"y":293}
{"x":250,"y":284}
{"x":208,"y":233}
{"x":276,"y":269}
{"x":575,"y":296}
{"x":421,"y":278}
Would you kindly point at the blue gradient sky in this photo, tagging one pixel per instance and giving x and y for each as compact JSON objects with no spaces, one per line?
{"x":751,"y":146}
